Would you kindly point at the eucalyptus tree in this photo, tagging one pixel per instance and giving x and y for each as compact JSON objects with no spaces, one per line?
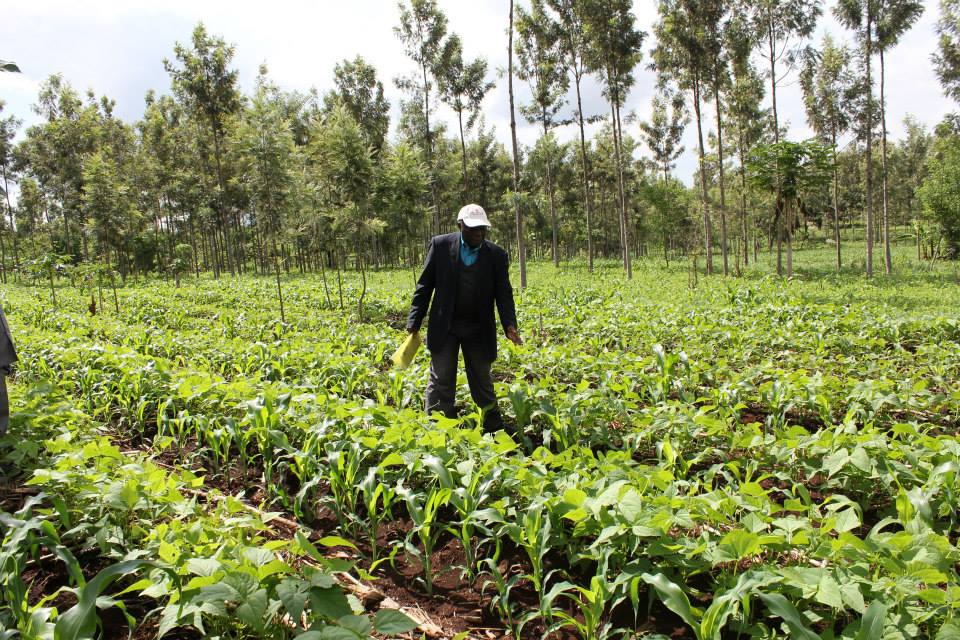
{"x":781,"y":29}
{"x":357,"y":88}
{"x":161,"y":161}
{"x":827,"y":82}
{"x":613,"y":51}
{"x":518,"y":216}
{"x":31,"y":208}
{"x":722,"y":33}
{"x":53,"y":152}
{"x":345,"y":174}
{"x":422,"y":29}
{"x":909,"y":165}
{"x":401,"y":184}
{"x":662,"y":134}
{"x":110,"y":206}
{"x":860,"y":16}
{"x":202,"y":79}
{"x":541,"y":65}
{"x":946,"y":59}
{"x":491,"y":172}
{"x":573,"y":44}
{"x":462,"y":86}
{"x":8,"y":130}
{"x":682,"y":56}
{"x":894,"y":18}
{"x":268,"y":160}
{"x":747,"y":120}
{"x":940,"y":191}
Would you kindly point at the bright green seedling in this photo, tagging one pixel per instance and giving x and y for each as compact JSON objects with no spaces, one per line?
{"x":423,"y":508}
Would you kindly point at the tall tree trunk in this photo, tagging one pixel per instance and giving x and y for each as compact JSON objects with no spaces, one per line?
{"x":463,"y":156}
{"x":586,"y":171}
{"x":624,"y":218}
{"x":13,"y":229}
{"x":550,"y":194}
{"x":3,"y":260}
{"x":723,"y":196}
{"x":741,"y":151}
{"x":888,"y":262}
{"x":221,"y":189}
{"x":778,"y":200}
{"x":836,"y":198}
{"x":704,"y":204}
{"x":621,"y":229}
{"x":771,"y":43}
{"x":430,"y":171}
{"x":788,"y":206}
{"x":868,"y":54}
{"x":521,"y":250}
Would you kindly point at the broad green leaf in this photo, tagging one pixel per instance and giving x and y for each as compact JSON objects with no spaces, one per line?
{"x":359,"y":625}
{"x":293,"y":594}
{"x":949,"y":631}
{"x":329,"y":603}
{"x":253,"y":610}
{"x":203,"y":566}
{"x":391,"y":622}
{"x":828,"y":592}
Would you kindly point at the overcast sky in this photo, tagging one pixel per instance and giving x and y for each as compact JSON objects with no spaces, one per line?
{"x":117,"y":47}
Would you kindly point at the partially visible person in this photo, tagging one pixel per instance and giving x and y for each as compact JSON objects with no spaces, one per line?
{"x":465,"y":274}
{"x":8,"y":355}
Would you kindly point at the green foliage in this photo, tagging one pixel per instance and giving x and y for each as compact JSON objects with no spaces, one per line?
{"x":940,"y":191}
{"x":794,"y":167}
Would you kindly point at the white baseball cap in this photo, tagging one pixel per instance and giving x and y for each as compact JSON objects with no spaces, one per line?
{"x":473,"y":215}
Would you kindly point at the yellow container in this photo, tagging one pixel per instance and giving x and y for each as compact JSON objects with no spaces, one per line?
{"x":403,"y":356}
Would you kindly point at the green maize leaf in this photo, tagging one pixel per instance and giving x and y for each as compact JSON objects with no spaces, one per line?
{"x":436,"y":465}
{"x":871,"y":625}
{"x":81,"y":620}
{"x":674,"y":598}
{"x":783,"y":608}
{"x":336,"y":541}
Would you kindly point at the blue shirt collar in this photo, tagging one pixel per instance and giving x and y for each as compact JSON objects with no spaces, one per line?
{"x":468,"y":255}
{"x":465,"y":247}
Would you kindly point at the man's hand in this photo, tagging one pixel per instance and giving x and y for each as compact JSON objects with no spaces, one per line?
{"x":513,"y":336}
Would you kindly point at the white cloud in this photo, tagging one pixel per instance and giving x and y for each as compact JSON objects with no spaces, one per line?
{"x":116,"y":48}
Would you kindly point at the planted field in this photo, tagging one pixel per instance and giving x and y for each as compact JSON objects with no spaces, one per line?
{"x":748,"y":458}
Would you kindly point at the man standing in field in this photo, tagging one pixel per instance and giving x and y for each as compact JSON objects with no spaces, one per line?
{"x":465,"y":274}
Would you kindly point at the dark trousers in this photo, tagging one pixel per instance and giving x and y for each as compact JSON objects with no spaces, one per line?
{"x":442,"y":385}
{"x":4,"y":404}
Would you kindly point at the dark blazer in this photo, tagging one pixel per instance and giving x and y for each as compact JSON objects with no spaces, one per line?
{"x":8,"y":354}
{"x":439,"y":280}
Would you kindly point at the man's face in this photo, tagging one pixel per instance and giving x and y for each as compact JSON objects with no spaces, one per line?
{"x":473,"y":236}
